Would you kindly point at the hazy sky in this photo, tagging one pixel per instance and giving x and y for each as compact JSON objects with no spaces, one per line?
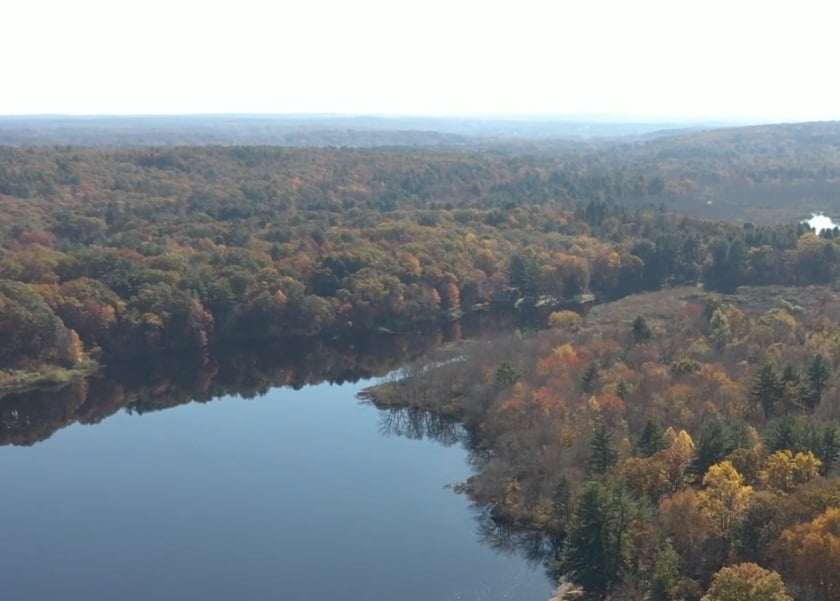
{"x":769,"y":60}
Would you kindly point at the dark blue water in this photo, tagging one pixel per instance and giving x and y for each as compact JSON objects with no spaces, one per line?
{"x":295,"y":495}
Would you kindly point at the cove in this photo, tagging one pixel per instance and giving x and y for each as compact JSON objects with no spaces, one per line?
{"x":297,"y":494}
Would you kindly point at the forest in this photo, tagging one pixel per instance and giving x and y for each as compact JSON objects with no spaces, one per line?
{"x":107,"y":254}
{"x":677,"y":441}
{"x":662,"y":446}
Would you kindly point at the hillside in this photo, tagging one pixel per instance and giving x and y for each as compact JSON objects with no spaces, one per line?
{"x":762,"y":174}
{"x":109,"y":253}
{"x":307,"y":130}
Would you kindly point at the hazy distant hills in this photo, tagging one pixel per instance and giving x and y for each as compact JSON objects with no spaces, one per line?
{"x":311,"y":130}
{"x":764,"y":173}
{"x":760,"y":173}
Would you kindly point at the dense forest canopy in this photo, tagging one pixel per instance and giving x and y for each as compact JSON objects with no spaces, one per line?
{"x":660,"y":445}
{"x":107,"y":253}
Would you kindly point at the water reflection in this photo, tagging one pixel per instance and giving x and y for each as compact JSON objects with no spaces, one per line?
{"x":247,"y":370}
{"x":418,"y":424}
{"x":538,"y":549}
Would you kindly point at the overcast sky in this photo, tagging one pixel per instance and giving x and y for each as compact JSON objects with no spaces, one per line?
{"x":769,"y":60}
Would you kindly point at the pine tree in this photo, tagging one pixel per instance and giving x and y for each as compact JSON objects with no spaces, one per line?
{"x":598,"y":547}
{"x":793,"y":390}
{"x":828,"y":448}
{"x":781,"y":435}
{"x":641,"y":330}
{"x":652,"y":439}
{"x":819,"y":373}
{"x":589,"y":377}
{"x":508,"y":374}
{"x":767,"y":389}
{"x":715,"y":441}
{"x":604,"y":454}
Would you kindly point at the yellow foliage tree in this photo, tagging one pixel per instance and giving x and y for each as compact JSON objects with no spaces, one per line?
{"x":746,"y":582}
{"x":677,"y":458}
{"x":565,"y":320}
{"x":784,"y":471}
{"x":724,"y":498}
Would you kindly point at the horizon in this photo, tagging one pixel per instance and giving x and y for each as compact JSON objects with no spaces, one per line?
{"x":584,"y":118}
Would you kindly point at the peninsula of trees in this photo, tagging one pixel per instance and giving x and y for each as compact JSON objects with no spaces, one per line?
{"x":664,"y":446}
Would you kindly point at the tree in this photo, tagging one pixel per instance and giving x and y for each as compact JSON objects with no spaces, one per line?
{"x":508,"y":374}
{"x":724,"y":498}
{"x":677,"y":458}
{"x":524,"y":274}
{"x":803,"y":435}
{"x":652,"y":439}
{"x":767,"y":389}
{"x":760,"y":526}
{"x":641,"y":330}
{"x":599,"y":547}
{"x":645,"y":477}
{"x":565,"y":321}
{"x":719,"y":330}
{"x":716,"y":440}
{"x":794,"y":393}
{"x":604,"y":454}
{"x":688,"y":528}
{"x":819,"y":372}
{"x":666,"y":569}
{"x":828,"y":447}
{"x":810,"y":553}
{"x":30,"y":333}
{"x":589,"y":377}
{"x":784,"y":471}
{"x":746,"y":582}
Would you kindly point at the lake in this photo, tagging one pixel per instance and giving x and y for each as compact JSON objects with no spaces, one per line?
{"x":298,"y":494}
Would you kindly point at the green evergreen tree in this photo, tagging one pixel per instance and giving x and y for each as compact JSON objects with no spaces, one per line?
{"x":524,"y":274}
{"x":828,"y":448}
{"x":652,"y":439}
{"x":819,"y":372}
{"x":561,"y":503}
{"x":604,"y":454}
{"x":641,"y":330}
{"x":781,"y":434}
{"x":767,"y":391}
{"x":793,"y":390}
{"x":666,"y":569}
{"x":804,"y":435}
{"x":589,"y":377}
{"x":508,"y":374}
{"x":714,"y":442}
{"x":598,"y":547}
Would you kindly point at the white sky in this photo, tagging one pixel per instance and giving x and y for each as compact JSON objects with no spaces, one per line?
{"x":771,"y":60}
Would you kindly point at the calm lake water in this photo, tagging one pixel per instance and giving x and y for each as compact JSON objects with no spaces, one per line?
{"x":296,"y":494}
